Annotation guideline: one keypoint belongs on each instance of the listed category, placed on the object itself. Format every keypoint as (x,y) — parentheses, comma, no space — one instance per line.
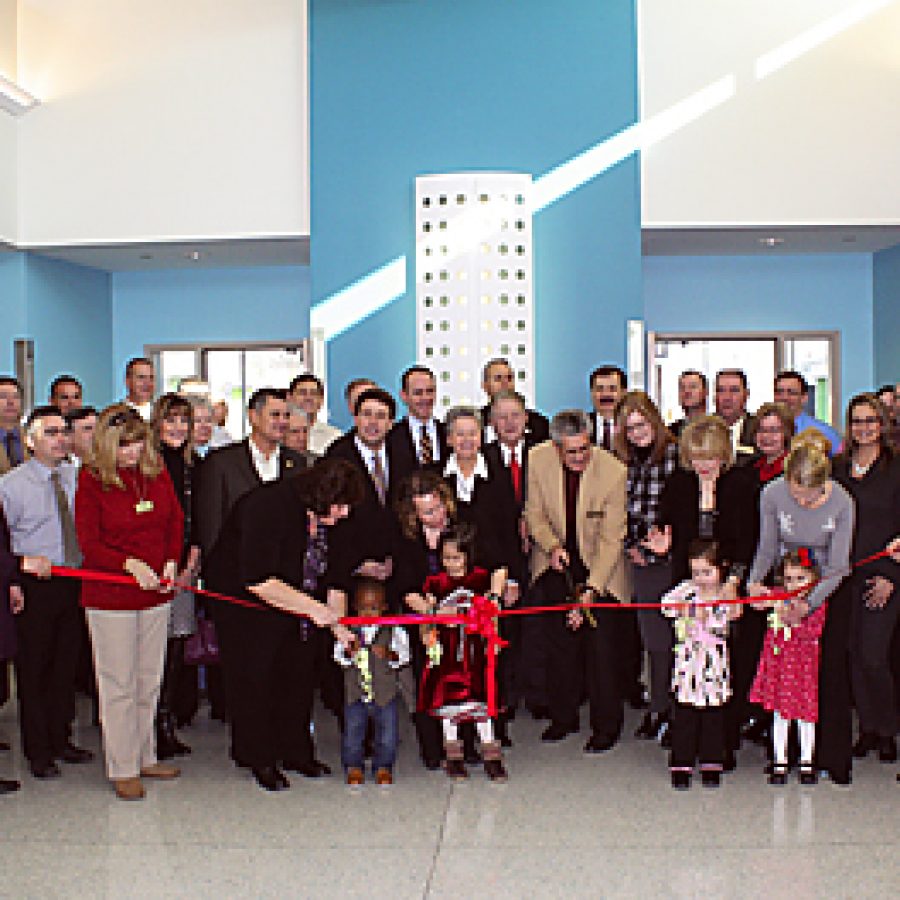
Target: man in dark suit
(227,474)
(523,663)
(498,376)
(13,451)
(367,536)
(731,405)
(418,440)
(693,391)
(607,385)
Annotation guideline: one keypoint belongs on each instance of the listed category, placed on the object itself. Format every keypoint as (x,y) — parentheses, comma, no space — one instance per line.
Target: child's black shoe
(778,775)
(711,778)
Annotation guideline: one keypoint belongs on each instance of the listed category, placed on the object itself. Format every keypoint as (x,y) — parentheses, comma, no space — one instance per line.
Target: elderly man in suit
(12,441)
(498,376)
(577,520)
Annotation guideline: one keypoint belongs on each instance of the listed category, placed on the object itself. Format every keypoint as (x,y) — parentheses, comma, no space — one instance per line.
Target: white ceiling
(739,241)
(184,254)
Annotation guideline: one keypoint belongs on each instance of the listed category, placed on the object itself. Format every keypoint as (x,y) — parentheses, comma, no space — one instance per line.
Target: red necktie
(515,470)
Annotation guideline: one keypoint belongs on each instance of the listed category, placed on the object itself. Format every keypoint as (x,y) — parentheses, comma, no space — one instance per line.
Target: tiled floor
(565,825)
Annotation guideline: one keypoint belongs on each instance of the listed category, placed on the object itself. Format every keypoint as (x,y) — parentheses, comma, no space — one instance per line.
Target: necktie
(607,434)
(426,449)
(12,450)
(71,551)
(379,478)
(515,470)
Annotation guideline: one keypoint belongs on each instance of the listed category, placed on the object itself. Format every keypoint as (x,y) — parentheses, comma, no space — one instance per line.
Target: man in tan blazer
(12,440)
(576,516)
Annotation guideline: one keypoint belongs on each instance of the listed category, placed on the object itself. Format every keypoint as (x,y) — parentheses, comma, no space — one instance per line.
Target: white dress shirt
(144,410)
(369,457)
(266,467)
(506,453)
(465,486)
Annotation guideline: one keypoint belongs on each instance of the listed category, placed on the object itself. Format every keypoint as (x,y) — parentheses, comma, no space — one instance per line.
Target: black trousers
(428,727)
(698,735)
(270,677)
(834,735)
(49,634)
(745,642)
(587,656)
(532,657)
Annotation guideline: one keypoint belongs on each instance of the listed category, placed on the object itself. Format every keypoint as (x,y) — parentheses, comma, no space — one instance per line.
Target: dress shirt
(735,432)
(369,458)
(415,427)
(321,436)
(465,486)
(601,431)
(266,467)
(506,452)
(29,503)
(145,410)
(805,420)
(399,645)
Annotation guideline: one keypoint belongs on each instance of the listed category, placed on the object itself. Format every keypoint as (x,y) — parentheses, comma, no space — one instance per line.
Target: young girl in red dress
(454,684)
(787,680)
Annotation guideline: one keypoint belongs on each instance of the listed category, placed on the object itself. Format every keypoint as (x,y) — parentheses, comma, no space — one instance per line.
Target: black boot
(167,743)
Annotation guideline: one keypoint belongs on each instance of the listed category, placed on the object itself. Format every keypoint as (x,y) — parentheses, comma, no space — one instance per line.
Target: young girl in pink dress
(787,680)
(454,684)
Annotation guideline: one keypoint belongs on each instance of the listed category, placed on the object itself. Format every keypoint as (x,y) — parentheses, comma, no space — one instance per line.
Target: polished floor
(565,825)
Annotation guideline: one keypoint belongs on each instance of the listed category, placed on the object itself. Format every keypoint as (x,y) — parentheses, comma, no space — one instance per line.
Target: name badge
(143,506)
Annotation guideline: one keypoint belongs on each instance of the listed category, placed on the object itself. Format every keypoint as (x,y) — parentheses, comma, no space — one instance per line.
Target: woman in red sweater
(128,520)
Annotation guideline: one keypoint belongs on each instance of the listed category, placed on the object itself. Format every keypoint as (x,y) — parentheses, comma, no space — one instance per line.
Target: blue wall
(407,87)
(886,311)
(269,303)
(65,309)
(815,292)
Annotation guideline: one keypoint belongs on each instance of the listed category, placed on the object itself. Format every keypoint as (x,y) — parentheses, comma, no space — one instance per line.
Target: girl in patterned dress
(787,680)
(701,680)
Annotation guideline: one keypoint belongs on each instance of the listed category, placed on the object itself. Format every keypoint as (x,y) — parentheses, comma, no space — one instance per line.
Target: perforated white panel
(474,280)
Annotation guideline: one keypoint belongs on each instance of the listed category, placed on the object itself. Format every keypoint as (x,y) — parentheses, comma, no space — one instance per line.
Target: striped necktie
(379,478)
(426,448)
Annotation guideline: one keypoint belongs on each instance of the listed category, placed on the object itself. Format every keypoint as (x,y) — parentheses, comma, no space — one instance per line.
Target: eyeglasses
(54,432)
(865,420)
(632,427)
(577,451)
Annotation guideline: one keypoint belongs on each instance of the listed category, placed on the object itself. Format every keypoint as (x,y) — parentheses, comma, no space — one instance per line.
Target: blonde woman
(808,509)
(129,521)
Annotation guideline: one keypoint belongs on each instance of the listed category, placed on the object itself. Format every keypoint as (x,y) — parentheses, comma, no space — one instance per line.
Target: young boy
(371,688)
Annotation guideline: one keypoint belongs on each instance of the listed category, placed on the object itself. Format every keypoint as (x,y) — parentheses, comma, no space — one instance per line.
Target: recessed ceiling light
(771,241)
(146,256)
(193,255)
(848,239)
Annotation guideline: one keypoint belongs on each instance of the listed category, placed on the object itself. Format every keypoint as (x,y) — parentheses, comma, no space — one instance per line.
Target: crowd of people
(152,562)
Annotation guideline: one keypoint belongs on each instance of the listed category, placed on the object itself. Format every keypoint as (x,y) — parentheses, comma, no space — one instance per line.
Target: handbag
(202,647)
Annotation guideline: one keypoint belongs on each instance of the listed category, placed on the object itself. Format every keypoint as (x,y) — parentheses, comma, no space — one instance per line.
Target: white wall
(163,119)
(8,192)
(816,141)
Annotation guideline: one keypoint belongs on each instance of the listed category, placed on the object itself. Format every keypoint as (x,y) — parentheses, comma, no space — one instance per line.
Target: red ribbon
(481,618)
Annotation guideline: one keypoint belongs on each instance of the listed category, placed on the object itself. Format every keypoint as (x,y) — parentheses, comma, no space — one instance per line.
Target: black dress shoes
(540,712)
(652,727)
(74,755)
(312,769)
(600,743)
(8,786)
(681,781)
(271,778)
(4,747)
(557,731)
(45,770)
(887,749)
(864,745)
(637,697)
(432,763)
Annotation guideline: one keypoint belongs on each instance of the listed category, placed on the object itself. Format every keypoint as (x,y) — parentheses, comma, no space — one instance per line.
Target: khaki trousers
(129,652)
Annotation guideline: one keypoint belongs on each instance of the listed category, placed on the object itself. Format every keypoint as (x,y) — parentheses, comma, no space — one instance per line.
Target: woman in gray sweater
(807,508)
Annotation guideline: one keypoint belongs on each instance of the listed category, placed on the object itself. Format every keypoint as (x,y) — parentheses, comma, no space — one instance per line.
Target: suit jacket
(402,450)
(592,420)
(537,426)
(225,476)
(4,459)
(746,449)
(601,522)
(371,529)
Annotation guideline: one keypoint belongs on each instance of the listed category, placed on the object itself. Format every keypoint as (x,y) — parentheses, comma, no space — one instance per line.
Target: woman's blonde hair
(807,463)
(639,402)
(706,436)
(118,425)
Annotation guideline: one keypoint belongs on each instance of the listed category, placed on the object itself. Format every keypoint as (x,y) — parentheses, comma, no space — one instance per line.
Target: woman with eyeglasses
(870,471)
(129,521)
(808,509)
